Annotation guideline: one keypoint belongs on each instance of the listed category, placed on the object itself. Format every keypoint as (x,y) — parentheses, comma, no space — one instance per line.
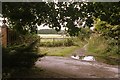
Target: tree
(108,12)
(23,16)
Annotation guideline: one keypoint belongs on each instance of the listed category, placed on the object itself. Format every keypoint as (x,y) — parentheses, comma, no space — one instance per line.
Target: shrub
(97,44)
(104,49)
(69,42)
(57,43)
(20,56)
(84,34)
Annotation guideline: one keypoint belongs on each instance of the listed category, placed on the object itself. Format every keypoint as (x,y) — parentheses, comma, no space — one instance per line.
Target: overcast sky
(47,27)
(1,21)
(43,27)
(39,27)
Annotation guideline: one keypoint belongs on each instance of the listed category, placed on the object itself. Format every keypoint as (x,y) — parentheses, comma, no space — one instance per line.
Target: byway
(65,67)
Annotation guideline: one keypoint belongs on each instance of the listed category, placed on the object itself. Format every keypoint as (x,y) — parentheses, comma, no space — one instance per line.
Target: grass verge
(102,51)
(57,51)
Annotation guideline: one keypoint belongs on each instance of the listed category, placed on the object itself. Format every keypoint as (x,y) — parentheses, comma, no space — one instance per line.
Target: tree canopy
(24,16)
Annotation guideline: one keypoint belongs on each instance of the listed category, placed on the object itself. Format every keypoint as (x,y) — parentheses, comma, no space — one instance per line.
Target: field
(52,37)
(56,45)
(55,40)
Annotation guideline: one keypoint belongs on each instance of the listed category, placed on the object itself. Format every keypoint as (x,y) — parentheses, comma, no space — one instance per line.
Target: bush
(19,56)
(57,43)
(104,49)
(69,42)
(97,44)
(84,34)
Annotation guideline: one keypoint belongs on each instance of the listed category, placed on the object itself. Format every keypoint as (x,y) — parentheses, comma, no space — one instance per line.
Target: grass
(102,51)
(111,59)
(55,40)
(57,51)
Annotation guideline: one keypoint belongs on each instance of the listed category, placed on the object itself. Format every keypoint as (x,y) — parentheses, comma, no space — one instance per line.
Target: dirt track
(65,67)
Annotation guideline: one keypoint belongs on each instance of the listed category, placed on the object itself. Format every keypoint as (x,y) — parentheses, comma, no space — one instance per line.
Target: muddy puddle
(85,58)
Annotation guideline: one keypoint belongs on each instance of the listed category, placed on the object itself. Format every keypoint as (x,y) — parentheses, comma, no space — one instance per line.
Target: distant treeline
(50,31)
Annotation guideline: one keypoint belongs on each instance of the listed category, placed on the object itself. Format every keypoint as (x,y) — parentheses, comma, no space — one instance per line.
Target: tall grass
(103,49)
(61,47)
(57,51)
(97,44)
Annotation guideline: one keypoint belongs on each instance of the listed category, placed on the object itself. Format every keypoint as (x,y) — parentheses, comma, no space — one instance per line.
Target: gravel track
(66,67)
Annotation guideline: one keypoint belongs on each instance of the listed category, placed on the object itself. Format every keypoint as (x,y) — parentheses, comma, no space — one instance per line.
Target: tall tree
(24,16)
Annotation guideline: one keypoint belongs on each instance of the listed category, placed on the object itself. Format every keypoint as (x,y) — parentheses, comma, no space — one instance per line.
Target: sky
(39,27)
(1,21)
(47,27)
(43,27)
(0,24)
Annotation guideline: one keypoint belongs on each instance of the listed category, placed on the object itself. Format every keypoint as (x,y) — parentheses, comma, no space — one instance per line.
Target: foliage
(97,44)
(104,42)
(107,30)
(57,43)
(108,12)
(84,34)
(19,56)
(25,16)
(14,38)
(101,48)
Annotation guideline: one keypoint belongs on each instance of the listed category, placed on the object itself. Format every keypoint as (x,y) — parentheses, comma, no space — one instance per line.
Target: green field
(56,45)
(52,37)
